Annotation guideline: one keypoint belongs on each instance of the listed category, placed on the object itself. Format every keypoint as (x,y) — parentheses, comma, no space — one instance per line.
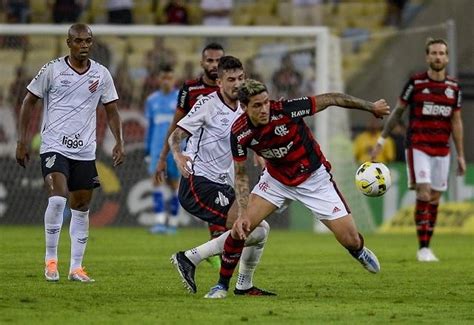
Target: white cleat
(217,292)
(369,261)
(425,254)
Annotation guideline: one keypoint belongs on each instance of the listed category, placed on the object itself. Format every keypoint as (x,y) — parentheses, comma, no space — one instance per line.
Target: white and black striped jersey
(70,101)
(209,123)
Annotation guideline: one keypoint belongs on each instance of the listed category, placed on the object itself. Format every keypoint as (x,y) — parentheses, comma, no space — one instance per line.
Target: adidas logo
(425,91)
(336,209)
(221,199)
(254,142)
(50,161)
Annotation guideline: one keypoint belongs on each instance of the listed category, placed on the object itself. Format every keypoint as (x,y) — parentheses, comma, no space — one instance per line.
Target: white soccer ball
(373,179)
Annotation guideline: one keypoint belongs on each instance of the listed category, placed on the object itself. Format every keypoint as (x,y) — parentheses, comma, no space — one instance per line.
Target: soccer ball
(373,179)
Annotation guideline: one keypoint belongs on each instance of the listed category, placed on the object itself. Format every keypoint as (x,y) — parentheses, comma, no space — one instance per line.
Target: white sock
(213,247)
(251,256)
(53,220)
(79,232)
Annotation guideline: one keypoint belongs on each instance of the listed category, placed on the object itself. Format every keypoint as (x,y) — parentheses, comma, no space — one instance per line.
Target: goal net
(292,61)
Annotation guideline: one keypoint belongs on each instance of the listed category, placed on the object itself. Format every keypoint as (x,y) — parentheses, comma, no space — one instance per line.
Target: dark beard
(211,76)
(437,68)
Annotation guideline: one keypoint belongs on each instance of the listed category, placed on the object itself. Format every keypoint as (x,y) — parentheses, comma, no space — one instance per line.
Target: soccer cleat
(217,292)
(159,229)
(253,291)
(425,254)
(80,275)
(51,270)
(215,261)
(186,270)
(369,261)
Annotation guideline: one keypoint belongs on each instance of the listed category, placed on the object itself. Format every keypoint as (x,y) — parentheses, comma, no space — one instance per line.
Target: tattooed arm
(242,188)
(378,108)
(184,163)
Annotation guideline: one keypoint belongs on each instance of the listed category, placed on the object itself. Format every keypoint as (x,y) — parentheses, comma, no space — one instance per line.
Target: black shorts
(80,174)
(205,199)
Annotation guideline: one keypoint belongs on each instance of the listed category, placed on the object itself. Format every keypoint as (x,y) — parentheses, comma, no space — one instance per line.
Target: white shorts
(425,169)
(318,193)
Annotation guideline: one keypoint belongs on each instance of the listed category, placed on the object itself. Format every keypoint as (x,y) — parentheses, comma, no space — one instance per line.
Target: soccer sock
(433,215)
(53,220)
(210,248)
(216,230)
(422,216)
(230,257)
(356,252)
(79,232)
(159,205)
(251,256)
(173,205)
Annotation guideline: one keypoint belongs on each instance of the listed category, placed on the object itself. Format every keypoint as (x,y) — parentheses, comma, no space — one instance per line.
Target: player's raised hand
(160,172)
(185,164)
(22,154)
(381,108)
(118,154)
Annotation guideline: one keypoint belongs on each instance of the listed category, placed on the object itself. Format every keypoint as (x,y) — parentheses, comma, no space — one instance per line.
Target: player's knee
(259,235)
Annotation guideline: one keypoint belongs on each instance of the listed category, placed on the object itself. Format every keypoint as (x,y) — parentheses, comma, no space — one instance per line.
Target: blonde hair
(249,89)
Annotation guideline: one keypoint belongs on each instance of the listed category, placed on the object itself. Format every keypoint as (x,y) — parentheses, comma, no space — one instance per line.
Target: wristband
(381,141)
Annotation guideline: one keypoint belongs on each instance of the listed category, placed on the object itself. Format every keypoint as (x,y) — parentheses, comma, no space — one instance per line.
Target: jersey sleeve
(41,84)
(299,107)
(239,151)
(407,92)
(195,119)
(183,99)
(458,101)
(110,93)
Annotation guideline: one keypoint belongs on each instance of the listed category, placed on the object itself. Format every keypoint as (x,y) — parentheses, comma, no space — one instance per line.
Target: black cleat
(254,291)
(186,270)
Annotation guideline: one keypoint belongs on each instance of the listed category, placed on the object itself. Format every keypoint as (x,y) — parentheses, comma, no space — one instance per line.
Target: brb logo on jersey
(72,143)
(276,152)
(434,109)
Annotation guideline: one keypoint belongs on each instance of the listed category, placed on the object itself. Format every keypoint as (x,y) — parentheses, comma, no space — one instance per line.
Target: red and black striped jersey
(431,105)
(191,91)
(286,142)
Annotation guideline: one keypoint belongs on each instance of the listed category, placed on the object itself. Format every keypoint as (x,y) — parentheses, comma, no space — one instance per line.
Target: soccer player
(160,108)
(296,170)
(71,88)
(205,189)
(433,100)
(189,94)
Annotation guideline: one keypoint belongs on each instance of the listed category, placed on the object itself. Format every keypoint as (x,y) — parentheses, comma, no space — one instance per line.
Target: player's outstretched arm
(22,152)
(184,163)
(458,138)
(115,125)
(379,108)
(160,172)
(392,120)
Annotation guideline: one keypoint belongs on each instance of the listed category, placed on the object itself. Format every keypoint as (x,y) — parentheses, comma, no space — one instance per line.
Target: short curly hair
(430,41)
(250,88)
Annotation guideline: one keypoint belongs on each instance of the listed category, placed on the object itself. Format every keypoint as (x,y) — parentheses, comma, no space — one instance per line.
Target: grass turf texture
(316,281)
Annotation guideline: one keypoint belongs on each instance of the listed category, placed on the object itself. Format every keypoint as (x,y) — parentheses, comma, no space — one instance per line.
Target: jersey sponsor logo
(407,92)
(300,113)
(436,110)
(240,151)
(221,199)
(243,134)
(182,99)
(66,73)
(281,130)
(196,87)
(296,99)
(420,81)
(449,93)
(276,152)
(72,143)
(93,85)
(50,161)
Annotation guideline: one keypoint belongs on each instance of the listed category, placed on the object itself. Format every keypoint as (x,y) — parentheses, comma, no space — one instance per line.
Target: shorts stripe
(202,204)
(338,192)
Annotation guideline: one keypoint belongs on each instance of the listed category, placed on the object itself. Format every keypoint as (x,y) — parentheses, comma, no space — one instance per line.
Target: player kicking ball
(296,170)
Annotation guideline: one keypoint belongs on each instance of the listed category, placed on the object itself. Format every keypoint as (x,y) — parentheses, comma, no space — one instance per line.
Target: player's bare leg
(346,233)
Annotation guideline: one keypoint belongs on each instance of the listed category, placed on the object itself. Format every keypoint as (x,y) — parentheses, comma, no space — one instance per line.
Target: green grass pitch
(316,280)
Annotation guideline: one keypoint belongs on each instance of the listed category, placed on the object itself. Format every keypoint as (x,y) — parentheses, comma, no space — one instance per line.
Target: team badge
(449,93)
(281,130)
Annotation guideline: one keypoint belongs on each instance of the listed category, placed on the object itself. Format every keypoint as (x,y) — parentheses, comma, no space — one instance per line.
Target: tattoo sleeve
(343,100)
(241,186)
(175,139)
(393,119)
